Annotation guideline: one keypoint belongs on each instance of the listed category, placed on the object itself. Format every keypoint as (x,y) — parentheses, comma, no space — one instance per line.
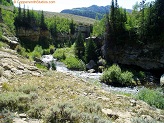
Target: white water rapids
(90,77)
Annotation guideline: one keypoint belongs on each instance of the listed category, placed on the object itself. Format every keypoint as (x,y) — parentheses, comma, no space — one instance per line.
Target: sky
(59,5)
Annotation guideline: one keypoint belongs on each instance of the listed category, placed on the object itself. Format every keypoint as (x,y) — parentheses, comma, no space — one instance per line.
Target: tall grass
(154,97)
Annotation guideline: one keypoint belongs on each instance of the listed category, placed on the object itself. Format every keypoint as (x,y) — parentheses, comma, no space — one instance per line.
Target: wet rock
(91,70)
(22,115)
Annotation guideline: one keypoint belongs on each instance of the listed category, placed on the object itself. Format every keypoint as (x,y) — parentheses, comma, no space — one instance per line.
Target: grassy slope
(78,19)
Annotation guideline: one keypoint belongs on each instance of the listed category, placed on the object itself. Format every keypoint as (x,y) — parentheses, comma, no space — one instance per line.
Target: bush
(21,50)
(14,101)
(37,53)
(114,76)
(143,120)
(53,65)
(152,97)
(59,54)
(7,116)
(74,63)
(36,109)
(40,66)
(27,88)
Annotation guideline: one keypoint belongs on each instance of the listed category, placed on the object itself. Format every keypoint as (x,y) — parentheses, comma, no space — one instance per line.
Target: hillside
(40,95)
(91,11)
(76,18)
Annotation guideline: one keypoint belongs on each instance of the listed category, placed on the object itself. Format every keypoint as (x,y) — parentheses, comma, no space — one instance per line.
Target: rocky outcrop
(148,57)
(32,34)
(12,64)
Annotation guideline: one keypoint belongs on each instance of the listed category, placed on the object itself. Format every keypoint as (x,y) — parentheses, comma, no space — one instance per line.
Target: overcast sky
(59,5)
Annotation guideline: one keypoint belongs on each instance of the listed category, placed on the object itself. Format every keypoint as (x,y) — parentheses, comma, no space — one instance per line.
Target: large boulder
(162,80)
(91,64)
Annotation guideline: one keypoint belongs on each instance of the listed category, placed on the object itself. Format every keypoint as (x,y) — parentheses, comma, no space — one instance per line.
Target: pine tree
(79,46)
(72,27)
(42,22)
(90,51)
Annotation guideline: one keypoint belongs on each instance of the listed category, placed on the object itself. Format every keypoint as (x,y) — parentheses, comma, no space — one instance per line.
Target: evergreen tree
(79,46)
(72,27)
(90,51)
(42,22)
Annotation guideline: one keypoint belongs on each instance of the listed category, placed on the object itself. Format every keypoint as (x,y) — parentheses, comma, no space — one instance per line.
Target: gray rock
(91,64)
(162,80)
(91,70)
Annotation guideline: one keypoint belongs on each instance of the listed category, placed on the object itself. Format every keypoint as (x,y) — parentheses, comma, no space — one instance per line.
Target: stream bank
(88,77)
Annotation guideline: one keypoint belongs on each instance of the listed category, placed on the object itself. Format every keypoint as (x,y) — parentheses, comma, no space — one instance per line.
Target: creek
(88,77)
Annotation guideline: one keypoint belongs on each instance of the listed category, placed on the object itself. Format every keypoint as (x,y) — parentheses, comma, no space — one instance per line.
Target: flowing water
(88,77)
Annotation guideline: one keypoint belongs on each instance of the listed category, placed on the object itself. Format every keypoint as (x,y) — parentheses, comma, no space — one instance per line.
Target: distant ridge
(91,11)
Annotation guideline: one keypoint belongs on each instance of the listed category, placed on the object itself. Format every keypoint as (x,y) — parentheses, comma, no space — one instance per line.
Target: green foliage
(15,101)
(114,76)
(99,27)
(152,97)
(0,34)
(37,53)
(27,89)
(59,54)
(40,66)
(36,110)
(79,46)
(90,51)
(66,112)
(8,18)
(7,116)
(21,50)
(6,2)
(74,63)
(53,65)
(144,120)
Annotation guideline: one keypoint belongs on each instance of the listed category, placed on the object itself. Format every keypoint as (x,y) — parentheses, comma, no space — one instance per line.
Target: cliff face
(32,34)
(149,57)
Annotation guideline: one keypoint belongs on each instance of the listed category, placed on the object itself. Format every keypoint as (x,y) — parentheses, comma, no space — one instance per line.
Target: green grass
(152,97)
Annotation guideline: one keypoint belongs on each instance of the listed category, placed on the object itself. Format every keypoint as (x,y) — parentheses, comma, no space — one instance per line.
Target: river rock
(91,64)
(162,80)
(91,70)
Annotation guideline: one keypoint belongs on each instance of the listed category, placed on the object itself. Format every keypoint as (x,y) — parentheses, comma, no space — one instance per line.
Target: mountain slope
(91,11)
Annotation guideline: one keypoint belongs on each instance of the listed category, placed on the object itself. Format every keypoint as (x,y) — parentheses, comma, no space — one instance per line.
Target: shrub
(74,63)
(40,66)
(63,112)
(0,33)
(46,51)
(114,76)
(37,53)
(21,50)
(53,65)
(152,97)
(15,101)
(7,116)
(27,88)
(126,78)
(36,109)
(143,120)
(59,54)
